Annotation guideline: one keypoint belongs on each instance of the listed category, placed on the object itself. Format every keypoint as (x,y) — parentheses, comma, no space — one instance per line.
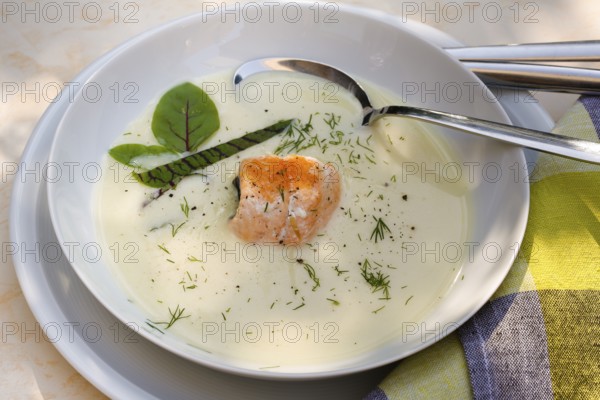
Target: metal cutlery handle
(539,77)
(585,50)
(550,143)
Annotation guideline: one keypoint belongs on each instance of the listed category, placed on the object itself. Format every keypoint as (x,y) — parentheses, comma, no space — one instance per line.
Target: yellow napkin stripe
(564,207)
(518,280)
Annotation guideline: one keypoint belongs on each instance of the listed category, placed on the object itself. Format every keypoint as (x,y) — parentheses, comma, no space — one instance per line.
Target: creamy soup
(352,287)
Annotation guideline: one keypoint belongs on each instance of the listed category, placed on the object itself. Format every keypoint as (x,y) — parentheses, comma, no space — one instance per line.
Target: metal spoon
(565,146)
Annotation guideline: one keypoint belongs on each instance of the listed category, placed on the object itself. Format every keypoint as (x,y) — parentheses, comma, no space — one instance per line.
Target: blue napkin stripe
(376,394)
(507,351)
(592,106)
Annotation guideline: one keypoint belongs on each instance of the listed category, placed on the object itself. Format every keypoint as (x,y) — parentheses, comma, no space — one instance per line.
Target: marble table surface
(45,44)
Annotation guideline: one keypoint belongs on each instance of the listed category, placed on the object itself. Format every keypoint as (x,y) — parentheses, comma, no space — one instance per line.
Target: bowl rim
(375,15)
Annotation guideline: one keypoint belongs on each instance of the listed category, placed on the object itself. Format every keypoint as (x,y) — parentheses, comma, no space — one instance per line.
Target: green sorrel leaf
(184,118)
(127,153)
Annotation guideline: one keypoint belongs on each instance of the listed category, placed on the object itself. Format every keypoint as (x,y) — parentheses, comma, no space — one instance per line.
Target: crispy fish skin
(285,200)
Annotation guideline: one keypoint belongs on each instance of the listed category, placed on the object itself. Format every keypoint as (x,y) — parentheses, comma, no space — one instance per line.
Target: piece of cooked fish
(285,200)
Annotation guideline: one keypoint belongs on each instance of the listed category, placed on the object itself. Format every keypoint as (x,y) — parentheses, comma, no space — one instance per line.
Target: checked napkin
(539,335)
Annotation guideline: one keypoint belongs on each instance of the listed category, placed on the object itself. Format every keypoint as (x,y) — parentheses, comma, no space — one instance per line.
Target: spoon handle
(501,65)
(584,50)
(565,146)
(538,77)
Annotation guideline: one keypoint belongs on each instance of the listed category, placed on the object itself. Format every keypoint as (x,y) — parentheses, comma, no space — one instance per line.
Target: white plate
(127,366)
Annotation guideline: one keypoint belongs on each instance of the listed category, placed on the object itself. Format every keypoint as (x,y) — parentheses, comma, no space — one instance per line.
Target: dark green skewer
(167,176)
